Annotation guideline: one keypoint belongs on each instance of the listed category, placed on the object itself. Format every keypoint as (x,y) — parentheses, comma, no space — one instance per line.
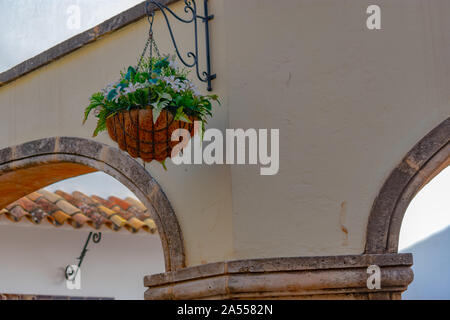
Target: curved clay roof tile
(78,210)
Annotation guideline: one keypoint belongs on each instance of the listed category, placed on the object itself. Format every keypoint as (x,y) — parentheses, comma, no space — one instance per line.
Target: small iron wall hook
(190,7)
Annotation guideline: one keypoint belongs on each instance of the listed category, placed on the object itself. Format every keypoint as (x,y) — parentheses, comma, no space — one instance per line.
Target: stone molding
(425,160)
(333,277)
(90,154)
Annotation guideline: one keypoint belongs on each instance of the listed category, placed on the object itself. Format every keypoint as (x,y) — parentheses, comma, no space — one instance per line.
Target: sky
(97,183)
(32,26)
(29,27)
(429,211)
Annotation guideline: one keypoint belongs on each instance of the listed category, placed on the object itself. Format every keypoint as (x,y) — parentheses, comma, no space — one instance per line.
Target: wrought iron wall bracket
(69,272)
(191,7)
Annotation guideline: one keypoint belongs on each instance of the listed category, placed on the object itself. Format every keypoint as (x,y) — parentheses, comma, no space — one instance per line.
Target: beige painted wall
(349,104)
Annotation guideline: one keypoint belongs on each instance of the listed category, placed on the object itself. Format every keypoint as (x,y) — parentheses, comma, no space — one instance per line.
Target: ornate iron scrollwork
(190,8)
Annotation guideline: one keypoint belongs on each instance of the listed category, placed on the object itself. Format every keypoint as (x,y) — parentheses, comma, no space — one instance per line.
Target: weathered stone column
(331,277)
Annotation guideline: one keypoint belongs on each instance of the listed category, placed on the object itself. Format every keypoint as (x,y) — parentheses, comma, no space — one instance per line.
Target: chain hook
(150,17)
(150,41)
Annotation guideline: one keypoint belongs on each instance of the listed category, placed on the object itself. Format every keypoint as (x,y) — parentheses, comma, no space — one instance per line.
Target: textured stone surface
(405,180)
(33,165)
(303,277)
(202,271)
(119,21)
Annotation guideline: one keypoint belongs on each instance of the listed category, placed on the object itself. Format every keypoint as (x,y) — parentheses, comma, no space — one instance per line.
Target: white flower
(129,89)
(173,64)
(109,87)
(181,85)
(191,86)
(175,84)
(133,87)
(196,92)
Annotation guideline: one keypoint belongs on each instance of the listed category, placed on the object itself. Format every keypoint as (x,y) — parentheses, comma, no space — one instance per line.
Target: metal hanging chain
(150,40)
(153,44)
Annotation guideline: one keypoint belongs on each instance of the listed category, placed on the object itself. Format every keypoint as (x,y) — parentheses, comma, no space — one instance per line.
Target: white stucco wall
(349,103)
(33,259)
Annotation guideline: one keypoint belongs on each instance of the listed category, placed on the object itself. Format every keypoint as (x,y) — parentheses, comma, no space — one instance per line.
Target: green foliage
(160,86)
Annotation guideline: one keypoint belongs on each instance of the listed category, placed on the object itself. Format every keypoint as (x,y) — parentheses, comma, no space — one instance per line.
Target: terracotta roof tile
(67,207)
(79,220)
(61,217)
(78,210)
(26,204)
(16,213)
(117,206)
(118,220)
(50,196)
(34,196)
(107,213)
(151,224)
(141,215)
(69,198)
(125,214)
(83,198)
(106,202)
(137,224)
(119,202)
(99,200)
(35,216)
(46,205)
(137,204)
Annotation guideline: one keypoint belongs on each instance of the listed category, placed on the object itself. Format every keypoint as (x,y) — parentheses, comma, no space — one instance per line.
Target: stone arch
(27,167)
(425,160)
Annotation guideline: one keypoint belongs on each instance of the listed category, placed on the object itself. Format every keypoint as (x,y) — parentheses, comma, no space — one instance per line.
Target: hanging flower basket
(136,133)
(147,104)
